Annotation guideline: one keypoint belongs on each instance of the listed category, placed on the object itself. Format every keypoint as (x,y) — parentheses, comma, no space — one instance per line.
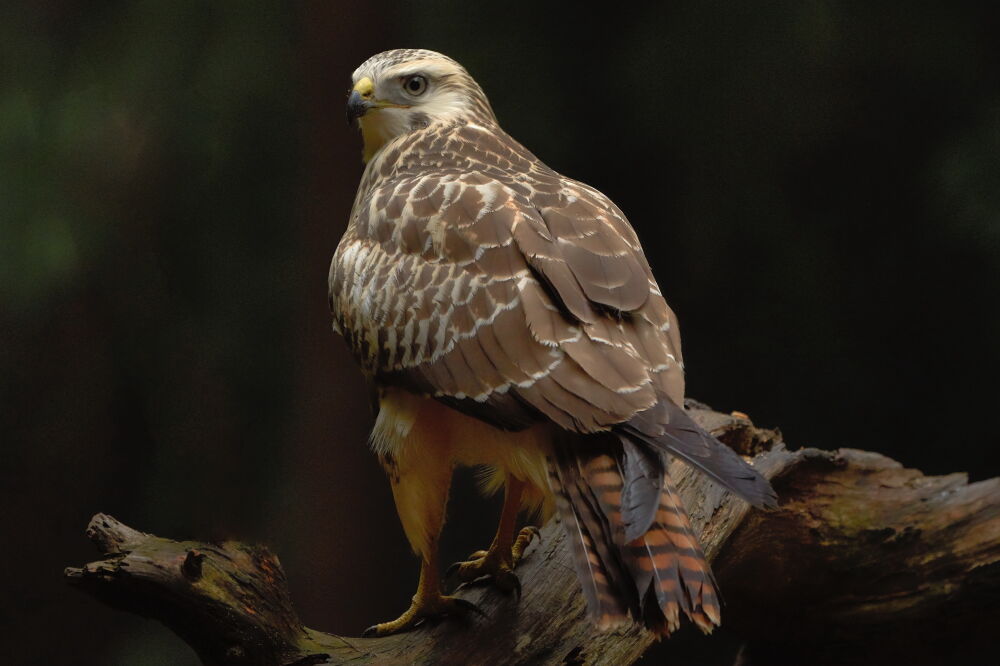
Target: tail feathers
(642,474)
(653,577)
(591,541)
(671,560)
(668,428)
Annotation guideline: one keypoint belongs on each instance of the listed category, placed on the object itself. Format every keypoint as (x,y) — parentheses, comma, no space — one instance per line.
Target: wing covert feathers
(651,578)
(473,273)
(668,428)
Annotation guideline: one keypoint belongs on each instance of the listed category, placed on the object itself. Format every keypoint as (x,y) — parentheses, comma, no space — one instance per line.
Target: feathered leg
(505,551)
(420,485)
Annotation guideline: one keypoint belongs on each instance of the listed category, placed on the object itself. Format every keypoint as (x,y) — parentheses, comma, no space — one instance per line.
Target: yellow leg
(505,551)
(428,604)
(420,485)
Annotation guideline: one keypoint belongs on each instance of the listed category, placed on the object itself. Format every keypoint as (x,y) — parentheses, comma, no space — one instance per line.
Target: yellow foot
(429,609)
(498,563)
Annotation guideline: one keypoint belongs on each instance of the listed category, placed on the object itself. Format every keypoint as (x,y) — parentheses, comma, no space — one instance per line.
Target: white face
(403,97)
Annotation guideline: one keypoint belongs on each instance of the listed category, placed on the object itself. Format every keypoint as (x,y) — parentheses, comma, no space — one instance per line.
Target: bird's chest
(361,297)
(394,291)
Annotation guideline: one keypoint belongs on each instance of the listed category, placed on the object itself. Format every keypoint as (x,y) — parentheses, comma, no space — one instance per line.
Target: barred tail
(597,558)
(651,578)
(669,557)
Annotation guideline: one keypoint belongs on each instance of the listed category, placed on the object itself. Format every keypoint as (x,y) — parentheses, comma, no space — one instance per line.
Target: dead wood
(861,549)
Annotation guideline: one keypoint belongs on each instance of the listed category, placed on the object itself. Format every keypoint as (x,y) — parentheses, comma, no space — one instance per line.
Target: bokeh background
(817,185)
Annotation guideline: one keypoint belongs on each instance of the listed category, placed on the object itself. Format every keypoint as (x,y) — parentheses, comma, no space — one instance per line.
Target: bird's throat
(373,140)
(379,128)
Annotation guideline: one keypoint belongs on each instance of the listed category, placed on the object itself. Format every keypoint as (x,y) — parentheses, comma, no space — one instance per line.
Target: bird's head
(405,90)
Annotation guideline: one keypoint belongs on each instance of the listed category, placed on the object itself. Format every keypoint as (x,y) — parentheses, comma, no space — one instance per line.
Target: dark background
(815,183)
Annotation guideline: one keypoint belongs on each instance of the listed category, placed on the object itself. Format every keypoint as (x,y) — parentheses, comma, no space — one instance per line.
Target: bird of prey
(507,318)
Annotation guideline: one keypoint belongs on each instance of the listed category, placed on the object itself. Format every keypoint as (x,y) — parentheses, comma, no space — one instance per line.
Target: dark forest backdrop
(815,183)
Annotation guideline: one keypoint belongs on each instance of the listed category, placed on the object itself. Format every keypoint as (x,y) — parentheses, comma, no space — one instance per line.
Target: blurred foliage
(147,174)
(815,183)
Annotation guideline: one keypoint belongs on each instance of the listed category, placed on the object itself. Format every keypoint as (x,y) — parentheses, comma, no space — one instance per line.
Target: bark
(863,557)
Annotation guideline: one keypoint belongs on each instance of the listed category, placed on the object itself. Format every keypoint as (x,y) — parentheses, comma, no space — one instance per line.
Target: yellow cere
(365,86)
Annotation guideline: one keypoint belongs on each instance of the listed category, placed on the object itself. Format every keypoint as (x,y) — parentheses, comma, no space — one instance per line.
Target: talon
(508,581)
(468,606)
(426,610)
(517,584)
(470,570)
(524,538)
(494,564)
(452,578)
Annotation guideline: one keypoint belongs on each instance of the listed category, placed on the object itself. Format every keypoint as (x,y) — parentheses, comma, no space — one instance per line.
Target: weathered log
(860,546)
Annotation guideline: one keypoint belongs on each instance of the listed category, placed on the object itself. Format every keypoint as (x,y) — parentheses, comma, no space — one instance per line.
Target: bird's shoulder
(453,173)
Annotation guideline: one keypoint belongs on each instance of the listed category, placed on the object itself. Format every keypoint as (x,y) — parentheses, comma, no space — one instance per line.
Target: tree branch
(864,544)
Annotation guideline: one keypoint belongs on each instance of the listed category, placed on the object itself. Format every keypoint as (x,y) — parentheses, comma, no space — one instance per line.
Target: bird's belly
(411,425)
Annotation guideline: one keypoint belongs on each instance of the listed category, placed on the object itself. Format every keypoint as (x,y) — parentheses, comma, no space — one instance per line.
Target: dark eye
(415,85)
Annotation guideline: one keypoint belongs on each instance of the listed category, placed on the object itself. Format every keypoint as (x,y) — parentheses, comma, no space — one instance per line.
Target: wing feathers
(668,428)
(433,259)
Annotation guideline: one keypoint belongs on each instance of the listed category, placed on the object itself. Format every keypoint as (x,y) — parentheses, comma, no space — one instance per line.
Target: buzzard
(507,318)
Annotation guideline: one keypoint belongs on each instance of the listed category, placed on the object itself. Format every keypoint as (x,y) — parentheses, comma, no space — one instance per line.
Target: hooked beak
(359,101)
(357,106)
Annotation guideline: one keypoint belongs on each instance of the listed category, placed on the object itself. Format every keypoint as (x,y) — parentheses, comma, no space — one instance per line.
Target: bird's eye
(415,85)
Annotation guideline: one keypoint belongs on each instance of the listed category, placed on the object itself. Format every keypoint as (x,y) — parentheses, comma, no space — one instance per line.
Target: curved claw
(496,565)
(517,584)
(468,606)
(502,576)
(463,606)
(451,580)
(505,579)
(523,540)
(427,610)
(451,570)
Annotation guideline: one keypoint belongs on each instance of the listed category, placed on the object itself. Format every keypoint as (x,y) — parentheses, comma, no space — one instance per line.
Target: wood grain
(860,547)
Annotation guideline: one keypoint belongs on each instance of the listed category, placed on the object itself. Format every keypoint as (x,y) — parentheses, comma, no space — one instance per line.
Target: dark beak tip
(356,106)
